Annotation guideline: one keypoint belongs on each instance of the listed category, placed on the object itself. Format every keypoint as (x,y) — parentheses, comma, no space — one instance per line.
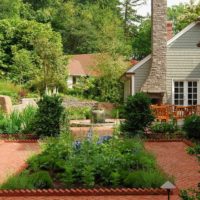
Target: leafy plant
(50,118)
(192,126)
(88,176)
(194,150)
(137,114)
(164,127)
(18,122)
(144,179)
(25,180)
(79,112)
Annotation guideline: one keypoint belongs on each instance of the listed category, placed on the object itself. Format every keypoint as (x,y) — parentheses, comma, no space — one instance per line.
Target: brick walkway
(13,157)
(174,160)
(171,157)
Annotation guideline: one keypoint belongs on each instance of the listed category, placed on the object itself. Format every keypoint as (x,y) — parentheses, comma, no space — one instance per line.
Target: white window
(185,92)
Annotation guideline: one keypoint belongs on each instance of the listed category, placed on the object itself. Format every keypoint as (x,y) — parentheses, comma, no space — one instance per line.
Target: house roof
(146,59)
(82,65)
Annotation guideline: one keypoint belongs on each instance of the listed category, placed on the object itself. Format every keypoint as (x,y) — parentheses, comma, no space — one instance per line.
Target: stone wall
(77,103)
(6,104)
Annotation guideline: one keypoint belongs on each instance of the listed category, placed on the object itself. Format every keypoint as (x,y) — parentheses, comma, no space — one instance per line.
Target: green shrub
(192,126)
(79,113)
(25,180)
(41,180)
(164,127)
(145,179)
(137,113)
(50,117)
(194,150)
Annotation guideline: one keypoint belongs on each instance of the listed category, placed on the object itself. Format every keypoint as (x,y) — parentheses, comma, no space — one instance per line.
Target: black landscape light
(168,186)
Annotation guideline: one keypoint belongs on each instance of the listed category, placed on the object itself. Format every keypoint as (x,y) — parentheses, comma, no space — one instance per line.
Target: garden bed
(93,163)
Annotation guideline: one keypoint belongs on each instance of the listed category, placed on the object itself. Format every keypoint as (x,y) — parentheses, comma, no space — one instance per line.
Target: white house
(82,65)
(171,74)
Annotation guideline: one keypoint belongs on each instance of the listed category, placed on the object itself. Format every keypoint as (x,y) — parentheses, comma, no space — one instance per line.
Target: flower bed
(93,163)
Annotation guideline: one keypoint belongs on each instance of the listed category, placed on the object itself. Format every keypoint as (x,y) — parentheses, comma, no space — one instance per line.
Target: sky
(143,10)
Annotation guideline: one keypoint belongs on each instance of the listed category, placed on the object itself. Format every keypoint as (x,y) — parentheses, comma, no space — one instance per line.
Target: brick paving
(13,156)
(171,157)
(174,160)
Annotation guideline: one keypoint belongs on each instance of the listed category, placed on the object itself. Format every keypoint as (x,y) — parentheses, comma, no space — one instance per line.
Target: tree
(141,43)
(129,13)
(108,86)
(33,48)
(10,9)
(183,14)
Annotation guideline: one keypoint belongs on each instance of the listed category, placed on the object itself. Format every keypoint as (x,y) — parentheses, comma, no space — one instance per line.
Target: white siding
(183,59)
(141,75)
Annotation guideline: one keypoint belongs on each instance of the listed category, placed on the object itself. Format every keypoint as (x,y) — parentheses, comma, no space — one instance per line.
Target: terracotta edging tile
(83,192)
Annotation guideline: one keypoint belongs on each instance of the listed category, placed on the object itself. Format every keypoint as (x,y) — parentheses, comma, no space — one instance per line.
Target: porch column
(132,84)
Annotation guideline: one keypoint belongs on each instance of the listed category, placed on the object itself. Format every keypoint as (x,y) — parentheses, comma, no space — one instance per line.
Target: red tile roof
(82,65)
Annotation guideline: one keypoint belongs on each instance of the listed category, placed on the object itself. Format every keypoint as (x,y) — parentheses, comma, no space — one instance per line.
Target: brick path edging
(17,136)
(20,141)
(187,142)
(82,192)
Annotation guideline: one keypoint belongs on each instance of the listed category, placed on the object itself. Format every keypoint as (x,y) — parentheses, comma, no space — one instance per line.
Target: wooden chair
(162,113)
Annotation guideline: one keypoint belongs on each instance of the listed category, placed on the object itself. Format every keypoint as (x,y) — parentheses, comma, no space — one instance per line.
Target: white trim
(185,82)
(139,64)
(133,85)
(131,70)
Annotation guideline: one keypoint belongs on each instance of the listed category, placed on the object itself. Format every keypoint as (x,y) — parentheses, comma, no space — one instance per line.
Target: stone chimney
(155,84)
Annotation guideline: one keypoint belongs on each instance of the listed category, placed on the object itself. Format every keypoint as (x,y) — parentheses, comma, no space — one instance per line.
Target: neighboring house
(172,73)
(82,65)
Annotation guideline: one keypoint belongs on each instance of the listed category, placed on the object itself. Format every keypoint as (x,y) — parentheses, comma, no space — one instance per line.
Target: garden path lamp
(168,186)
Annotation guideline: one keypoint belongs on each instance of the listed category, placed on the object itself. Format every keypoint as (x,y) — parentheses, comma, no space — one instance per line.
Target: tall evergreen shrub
(137,114)
(50,117)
